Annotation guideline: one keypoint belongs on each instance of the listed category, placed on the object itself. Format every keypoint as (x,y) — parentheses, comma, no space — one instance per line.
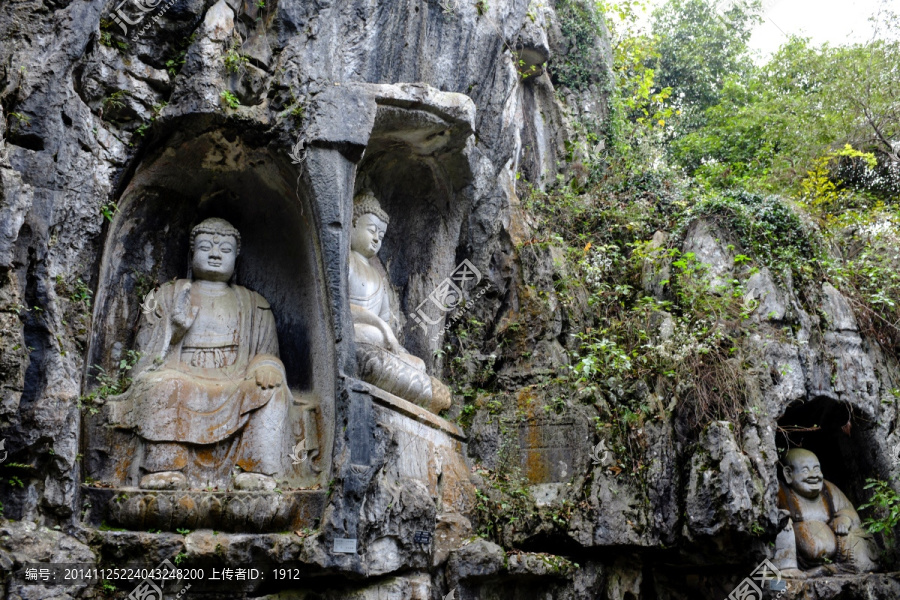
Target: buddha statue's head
(369,224)
(215,245)
(803,473)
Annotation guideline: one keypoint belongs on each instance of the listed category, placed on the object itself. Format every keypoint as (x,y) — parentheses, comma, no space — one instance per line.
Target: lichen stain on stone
(223,155)
(528,430)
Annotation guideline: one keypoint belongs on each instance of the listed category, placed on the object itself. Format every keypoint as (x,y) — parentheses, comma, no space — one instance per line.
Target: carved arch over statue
(295,224)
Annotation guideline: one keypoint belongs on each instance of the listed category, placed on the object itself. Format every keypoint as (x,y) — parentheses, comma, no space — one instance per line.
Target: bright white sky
(833,21)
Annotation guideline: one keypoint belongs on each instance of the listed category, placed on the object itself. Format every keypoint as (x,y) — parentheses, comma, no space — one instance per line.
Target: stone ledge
(410,410)
(255,512)
(845,587)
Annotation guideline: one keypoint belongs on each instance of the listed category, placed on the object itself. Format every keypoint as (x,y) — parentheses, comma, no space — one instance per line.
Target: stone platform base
(431,450)
(387,400)
(846,587)
(253,512)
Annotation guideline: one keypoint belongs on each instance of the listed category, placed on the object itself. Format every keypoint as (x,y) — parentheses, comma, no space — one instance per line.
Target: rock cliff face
(110,132)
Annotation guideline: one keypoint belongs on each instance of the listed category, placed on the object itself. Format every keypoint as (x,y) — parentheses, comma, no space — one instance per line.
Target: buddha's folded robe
(177,397)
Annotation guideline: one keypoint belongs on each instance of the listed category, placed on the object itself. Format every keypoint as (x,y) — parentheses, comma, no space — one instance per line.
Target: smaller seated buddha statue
(823,535)
(383,362)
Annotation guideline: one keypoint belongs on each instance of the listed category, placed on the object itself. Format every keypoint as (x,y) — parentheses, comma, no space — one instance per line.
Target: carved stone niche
(846,446)
(843,443)
(418,163)
(215,174)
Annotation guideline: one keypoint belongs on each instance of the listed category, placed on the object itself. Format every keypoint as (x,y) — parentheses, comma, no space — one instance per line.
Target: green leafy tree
(700,44)
(776,121)
(635,54)
(641,110)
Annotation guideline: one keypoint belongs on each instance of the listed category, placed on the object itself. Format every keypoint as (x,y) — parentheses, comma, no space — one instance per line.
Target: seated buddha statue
(823,535)
(383,362)
(209,396)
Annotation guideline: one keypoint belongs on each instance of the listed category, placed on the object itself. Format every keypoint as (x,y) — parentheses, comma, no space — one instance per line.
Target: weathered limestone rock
(657,266)
(22,543)
(17,200)
(476,558)
(143,125)
(852,588)
(723,486)
(707,242)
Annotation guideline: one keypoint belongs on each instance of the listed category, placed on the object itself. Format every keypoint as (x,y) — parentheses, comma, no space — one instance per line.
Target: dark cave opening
(559,545)
(837,435)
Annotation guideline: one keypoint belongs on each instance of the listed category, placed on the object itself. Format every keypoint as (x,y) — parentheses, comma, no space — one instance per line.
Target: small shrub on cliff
(581,26)
(504,504)
(470,370)
(766,225)
(115,100)
(234,60)
(886,502)
(77,291)
(107,39)
(230,100)
(179,55)
(111,383)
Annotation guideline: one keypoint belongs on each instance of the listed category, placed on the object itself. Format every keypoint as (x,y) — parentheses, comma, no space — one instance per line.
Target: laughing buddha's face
(214,257)
(804,473)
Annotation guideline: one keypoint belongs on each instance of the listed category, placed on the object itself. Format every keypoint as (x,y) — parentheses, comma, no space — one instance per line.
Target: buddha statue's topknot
(217,227)
(366,203)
